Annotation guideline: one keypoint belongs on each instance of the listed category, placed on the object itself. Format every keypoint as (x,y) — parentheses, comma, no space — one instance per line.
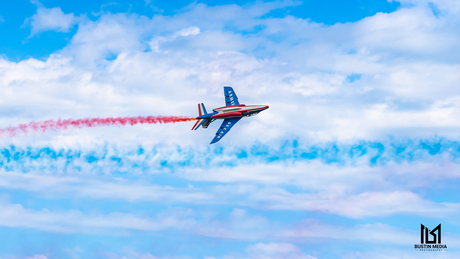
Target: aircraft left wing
(227,124)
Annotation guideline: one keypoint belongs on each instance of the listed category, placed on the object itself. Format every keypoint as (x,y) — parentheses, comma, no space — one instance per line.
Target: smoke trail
(90,122)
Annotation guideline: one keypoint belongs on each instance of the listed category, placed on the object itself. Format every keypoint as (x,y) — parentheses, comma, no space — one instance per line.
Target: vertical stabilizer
(201,111)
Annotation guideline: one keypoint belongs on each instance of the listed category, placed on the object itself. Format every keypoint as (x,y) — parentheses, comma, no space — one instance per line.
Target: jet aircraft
(231,113)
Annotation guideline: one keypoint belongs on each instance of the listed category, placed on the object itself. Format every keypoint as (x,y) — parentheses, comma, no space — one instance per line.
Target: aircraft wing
(227,124)
(230,96)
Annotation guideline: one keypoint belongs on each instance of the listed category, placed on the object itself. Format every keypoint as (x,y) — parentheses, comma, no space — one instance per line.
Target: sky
(359,147)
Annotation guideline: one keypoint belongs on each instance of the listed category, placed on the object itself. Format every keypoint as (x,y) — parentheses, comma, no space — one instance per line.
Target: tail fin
(201,111)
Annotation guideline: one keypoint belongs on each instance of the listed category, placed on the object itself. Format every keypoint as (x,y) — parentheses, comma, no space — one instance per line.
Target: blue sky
(359,147)
(18,46)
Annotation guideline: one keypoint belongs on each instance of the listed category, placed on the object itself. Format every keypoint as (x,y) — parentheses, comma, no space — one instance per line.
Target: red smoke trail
(91,122)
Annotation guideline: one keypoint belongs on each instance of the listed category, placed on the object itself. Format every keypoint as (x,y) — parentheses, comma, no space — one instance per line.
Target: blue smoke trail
(142,158)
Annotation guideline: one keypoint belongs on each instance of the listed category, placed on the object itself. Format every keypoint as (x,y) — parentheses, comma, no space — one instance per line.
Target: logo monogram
(425,238)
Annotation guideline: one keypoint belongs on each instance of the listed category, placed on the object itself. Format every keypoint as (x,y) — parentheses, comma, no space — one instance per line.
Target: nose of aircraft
(266,107)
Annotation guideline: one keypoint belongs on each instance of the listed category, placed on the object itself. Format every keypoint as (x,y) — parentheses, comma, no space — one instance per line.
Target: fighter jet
(231,113)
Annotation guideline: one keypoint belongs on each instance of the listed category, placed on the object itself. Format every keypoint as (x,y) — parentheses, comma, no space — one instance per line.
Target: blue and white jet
(231,113)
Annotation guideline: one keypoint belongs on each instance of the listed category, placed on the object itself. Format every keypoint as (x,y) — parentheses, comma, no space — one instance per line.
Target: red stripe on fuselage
(227,115)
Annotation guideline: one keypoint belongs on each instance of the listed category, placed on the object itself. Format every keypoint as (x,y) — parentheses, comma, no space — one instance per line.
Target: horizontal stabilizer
(198,124)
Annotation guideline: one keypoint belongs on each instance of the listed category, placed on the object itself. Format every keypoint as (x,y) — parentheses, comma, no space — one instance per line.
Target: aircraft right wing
(227,124)
(230,96)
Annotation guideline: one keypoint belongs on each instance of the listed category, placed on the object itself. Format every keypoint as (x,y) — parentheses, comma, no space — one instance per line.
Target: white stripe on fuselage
(238,109)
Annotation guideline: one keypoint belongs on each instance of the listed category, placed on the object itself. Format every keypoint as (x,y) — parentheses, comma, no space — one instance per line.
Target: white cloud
(237,225)
(155,43)
(339,202)
(400,253)
(51,19)
(132,254)
(276,250)
(449,6)
(74,221)
(73,252)
(288,250)
(38,256)
(256,251)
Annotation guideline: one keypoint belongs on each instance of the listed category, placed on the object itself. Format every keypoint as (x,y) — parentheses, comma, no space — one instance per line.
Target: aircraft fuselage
(234,111)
